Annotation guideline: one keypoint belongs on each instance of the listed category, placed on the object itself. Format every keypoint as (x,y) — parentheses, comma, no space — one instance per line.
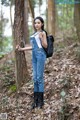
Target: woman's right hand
(23,49)
(18,48)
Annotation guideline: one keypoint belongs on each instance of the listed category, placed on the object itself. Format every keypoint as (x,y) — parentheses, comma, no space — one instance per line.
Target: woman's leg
(40,71)
(34,65)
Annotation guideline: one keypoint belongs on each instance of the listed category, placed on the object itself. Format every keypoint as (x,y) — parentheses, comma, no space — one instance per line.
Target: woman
(37,40)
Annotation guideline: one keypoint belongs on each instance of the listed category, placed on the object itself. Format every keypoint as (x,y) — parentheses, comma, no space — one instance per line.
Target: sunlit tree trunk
(51,17)
(77,18)
(21,66)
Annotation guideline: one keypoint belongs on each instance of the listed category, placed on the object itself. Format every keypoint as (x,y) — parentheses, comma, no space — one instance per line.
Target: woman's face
(38,24)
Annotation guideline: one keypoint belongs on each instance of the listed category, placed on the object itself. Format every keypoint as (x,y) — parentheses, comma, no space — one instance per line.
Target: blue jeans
(38,63)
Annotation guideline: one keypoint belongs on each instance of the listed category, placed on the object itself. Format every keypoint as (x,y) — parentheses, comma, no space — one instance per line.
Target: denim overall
(38,64)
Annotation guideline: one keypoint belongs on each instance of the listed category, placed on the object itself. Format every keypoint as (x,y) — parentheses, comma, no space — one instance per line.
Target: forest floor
(62,86)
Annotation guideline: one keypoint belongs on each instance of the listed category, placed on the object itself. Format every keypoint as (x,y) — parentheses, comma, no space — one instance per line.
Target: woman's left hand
(41,35)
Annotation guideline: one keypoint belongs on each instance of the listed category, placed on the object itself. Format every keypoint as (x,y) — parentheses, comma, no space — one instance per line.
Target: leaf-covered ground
(62,87)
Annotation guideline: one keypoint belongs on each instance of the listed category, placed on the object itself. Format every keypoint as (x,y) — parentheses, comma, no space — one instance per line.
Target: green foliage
(7,2)
(6,46)
(1,55)
(63,93)
(33,2)
(65,16)
(13,88)
(64,1)
(3,40)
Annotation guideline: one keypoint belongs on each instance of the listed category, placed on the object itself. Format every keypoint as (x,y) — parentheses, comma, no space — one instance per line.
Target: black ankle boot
(40,100)
(35,103)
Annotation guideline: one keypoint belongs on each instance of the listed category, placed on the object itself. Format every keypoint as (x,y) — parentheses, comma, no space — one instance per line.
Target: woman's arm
(43,38)
(24,49)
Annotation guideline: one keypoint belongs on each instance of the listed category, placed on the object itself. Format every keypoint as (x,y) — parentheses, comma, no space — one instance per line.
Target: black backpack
(50,48)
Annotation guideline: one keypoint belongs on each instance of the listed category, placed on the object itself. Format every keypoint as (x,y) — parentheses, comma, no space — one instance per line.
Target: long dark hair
(42,21)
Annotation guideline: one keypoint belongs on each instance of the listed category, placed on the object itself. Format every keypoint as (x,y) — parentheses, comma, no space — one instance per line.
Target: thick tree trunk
(77,18)
(51,17)
(21,66)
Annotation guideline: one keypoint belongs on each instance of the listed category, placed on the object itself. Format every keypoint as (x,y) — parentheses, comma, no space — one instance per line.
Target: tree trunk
(1,30)
(31,8)
(11,3)
(46,16)
(51,17)
(26,30)
(77,18)
(22,75)
(11,16)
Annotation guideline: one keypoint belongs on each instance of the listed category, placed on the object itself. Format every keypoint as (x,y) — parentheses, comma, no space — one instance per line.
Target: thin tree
(31,6)
(1,30)
(77,17)
(51,17)
(26,15)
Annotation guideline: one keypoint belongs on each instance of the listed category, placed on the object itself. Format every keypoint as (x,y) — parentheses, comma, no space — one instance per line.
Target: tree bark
(51,17)
(31,8)
(26,30)
(22,75)
(77,19)
(11,16)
